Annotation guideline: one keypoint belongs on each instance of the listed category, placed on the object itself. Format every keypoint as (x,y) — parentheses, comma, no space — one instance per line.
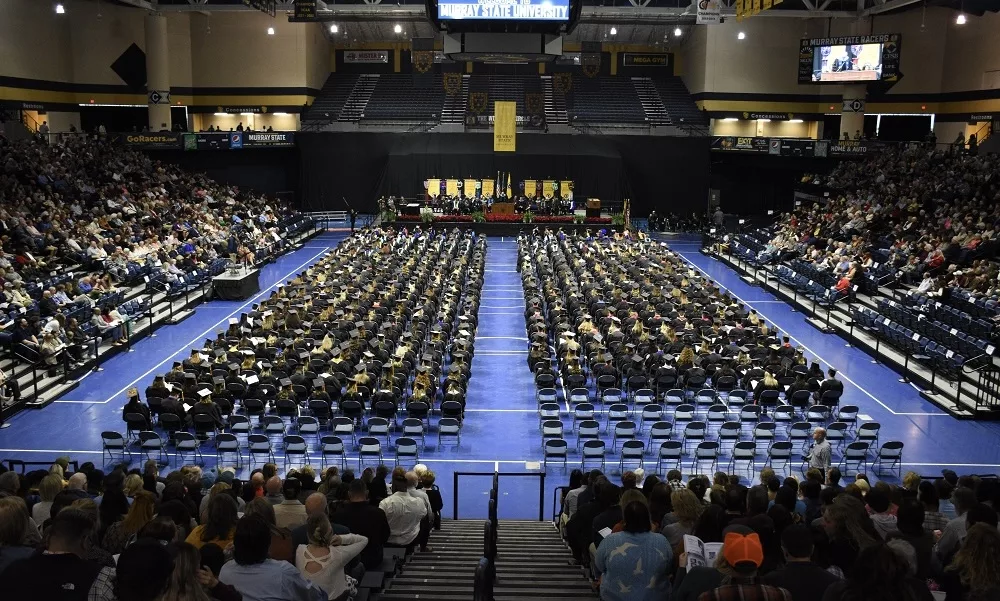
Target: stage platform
(507,228)
(240,285)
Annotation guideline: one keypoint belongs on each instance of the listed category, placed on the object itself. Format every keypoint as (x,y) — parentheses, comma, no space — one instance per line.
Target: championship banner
(451,187)
(529,188)
(767,4)
(434,188)
(488,188)
(709,12)
(756,7)
(504,126)
(470,188)
(548,188)
(566,189)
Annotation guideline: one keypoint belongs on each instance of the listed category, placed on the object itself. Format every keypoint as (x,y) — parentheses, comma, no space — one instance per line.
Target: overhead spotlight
(334,29)
(677,32)
(398,28)
(60,9)
(741,36)
(960,19)
(613,31)
(270,31)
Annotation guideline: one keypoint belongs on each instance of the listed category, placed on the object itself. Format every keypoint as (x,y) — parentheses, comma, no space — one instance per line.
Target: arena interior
(496,299)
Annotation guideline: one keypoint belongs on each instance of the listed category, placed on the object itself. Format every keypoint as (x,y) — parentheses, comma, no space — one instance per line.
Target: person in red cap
(741,555)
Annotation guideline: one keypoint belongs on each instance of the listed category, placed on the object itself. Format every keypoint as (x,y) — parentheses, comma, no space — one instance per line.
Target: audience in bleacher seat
(87,226)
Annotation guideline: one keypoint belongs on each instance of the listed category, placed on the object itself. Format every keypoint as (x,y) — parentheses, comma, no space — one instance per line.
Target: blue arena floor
(501,427)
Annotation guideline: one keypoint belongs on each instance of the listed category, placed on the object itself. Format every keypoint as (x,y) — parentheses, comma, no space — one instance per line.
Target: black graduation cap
(636,359)
(219,352)
(265,365)
(285,382)
(218,380)
(423,369)
(355,334)
(427,357)
(298,332)
(360,367)
(318,383)
(234,366)
(178,364)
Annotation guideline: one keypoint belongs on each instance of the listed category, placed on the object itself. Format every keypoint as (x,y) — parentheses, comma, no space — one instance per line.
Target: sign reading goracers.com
(508,10)
(161,140)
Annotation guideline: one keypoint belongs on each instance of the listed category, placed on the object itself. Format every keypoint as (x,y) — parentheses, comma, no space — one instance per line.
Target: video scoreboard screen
(850,59)
(503,10)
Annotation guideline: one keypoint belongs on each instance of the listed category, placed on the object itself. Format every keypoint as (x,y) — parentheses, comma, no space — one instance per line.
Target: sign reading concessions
(241,109)
(646,59)
(506,10)
(850,59)
(271,138)
(151,141)
(771,116)
(366,57)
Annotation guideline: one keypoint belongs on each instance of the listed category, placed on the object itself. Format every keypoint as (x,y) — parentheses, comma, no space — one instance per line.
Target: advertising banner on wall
(709,12)
(154,141)
(366,56)
(270,138)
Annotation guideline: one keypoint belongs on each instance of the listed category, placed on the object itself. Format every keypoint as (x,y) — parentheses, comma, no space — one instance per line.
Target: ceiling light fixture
(678,32)
(960,19)
(398,28)
(741,36)
(270,31)
(334,29)
(60,9)
(614,30)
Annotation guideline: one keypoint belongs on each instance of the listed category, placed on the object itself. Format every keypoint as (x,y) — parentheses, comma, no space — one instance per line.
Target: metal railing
(984,376)
(494,493)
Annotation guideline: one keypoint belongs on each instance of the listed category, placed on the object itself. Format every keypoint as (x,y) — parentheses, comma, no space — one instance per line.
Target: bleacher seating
(506,87)
(605,100)
(335,92)
(678,102)
(399,97)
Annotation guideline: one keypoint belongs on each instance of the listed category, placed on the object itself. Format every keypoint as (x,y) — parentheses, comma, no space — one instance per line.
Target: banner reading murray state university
(504,126)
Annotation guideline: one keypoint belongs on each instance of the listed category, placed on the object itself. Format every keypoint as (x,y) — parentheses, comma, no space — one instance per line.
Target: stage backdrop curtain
(594,164)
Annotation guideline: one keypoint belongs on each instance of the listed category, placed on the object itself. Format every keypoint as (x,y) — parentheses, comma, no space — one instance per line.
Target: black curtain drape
(593,164)
(667,173)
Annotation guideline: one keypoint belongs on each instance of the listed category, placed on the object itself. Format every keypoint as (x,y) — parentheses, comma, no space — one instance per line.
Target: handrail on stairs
(495,488)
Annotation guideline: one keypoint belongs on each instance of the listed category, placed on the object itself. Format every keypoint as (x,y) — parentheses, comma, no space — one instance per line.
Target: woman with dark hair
(850,531)
(282,547)
(710,524)
(220,525)
(114,505)
(880,574)
(634,563)
(973,574)
(255,575)
(659,504)
(910,528)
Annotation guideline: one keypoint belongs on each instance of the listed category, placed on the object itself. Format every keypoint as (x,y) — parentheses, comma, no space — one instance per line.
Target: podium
(593,207)
(503,208)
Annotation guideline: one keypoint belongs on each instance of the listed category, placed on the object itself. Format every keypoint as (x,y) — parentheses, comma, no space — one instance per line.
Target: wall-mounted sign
(647,59)
(366,56)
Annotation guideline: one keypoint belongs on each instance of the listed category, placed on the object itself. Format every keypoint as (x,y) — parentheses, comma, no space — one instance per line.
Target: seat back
(294,444)
(227,443)
(552,429)
(406,447)
(781,449)
(593,448)
(695,430)
(707,450)
(588,429)
(369,446)
(892,449)
(331,445)
(744,450)
(633,449)
(556,447)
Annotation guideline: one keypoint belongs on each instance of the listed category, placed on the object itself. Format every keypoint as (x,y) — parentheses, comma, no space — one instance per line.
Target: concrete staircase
(532,563)
(354,107)
(555,103)
(453,110)
(652,104)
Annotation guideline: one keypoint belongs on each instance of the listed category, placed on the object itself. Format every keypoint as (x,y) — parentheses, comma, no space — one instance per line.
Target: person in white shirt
(403,513)
(95,252)
(322,561)
(425,525)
